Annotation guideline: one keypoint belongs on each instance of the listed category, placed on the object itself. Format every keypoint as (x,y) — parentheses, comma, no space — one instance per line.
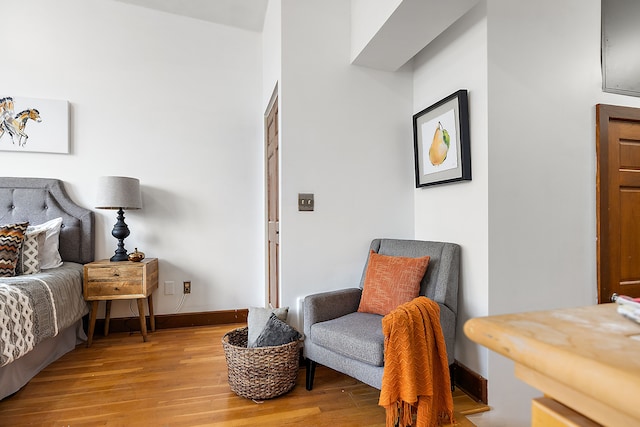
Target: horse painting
(14,125)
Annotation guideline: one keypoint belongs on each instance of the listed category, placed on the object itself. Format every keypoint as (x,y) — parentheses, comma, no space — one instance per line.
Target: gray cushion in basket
(276,332)
(356,335)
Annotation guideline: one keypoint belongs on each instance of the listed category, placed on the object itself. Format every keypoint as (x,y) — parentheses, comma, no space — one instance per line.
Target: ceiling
(245,14)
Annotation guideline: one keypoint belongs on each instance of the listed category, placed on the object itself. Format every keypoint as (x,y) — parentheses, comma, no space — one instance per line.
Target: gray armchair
(339,337)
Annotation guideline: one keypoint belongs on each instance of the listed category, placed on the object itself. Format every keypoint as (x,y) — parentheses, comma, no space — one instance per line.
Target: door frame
(604,115)
(272,102)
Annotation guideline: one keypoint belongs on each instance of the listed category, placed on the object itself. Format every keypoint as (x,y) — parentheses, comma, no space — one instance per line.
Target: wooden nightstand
(105,281)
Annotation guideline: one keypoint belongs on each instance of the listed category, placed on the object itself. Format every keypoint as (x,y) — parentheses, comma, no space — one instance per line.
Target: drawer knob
(116,289)
(116,274)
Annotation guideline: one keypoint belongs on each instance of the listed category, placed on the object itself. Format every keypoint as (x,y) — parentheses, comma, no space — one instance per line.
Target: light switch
(305,201)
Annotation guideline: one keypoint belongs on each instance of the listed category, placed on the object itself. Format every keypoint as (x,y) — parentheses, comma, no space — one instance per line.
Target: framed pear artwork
(441,141)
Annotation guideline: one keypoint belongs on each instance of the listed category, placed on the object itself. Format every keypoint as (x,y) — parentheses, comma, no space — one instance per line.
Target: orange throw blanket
(416,379)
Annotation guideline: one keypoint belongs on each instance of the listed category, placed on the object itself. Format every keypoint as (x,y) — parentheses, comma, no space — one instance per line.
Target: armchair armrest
(329,305)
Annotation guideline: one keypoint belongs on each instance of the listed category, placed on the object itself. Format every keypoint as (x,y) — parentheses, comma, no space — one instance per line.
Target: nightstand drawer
(114,288)
(124,273)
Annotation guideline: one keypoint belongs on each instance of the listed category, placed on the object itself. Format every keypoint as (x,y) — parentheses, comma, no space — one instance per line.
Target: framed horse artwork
(35,125)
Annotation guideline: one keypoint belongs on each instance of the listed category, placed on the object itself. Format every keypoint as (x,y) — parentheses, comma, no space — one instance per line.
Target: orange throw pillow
(391,281)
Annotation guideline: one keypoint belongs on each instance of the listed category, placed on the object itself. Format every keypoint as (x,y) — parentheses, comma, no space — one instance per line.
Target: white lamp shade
(115,192)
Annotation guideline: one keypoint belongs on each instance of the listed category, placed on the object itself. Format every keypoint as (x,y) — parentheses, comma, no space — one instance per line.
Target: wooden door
(618,201)
(273,196)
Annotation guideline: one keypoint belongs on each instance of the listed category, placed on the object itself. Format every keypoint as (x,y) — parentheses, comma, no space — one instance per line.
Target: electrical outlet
(186,287)
(169,288)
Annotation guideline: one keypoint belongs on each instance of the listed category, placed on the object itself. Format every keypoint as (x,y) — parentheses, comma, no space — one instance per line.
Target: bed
(48,321)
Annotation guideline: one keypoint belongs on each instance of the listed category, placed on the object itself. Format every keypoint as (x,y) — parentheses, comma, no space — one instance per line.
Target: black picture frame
(441,142)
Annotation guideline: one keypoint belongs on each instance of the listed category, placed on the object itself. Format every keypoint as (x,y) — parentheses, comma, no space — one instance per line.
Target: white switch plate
(169,288)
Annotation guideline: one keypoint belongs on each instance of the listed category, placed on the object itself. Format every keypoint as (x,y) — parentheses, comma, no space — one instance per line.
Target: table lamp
(118,192)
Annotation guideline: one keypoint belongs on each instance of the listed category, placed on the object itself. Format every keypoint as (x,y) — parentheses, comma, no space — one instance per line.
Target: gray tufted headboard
(38,200)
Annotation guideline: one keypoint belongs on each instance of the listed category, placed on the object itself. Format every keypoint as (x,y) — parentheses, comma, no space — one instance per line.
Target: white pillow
(49,257)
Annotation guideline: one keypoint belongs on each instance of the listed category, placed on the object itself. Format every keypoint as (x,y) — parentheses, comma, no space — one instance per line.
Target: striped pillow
(11,238)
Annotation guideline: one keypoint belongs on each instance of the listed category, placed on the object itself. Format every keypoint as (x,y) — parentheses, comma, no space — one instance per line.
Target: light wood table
(585,360)
(105,281)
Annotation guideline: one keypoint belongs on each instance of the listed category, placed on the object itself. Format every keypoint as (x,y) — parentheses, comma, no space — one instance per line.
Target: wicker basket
(261,372)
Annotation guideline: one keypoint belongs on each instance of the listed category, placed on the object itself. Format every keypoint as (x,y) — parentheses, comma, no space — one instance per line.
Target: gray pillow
(257,319)
(276,332)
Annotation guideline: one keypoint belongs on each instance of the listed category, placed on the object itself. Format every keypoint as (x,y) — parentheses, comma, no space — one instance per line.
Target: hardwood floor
(179,378)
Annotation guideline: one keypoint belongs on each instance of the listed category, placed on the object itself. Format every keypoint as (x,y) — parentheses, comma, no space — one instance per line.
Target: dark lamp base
(120,232)
(119,257)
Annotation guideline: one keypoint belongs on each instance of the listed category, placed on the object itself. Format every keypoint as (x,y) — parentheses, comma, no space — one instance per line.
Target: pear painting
(440,146)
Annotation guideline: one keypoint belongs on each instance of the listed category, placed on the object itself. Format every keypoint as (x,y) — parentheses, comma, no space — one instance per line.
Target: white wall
(395,32)
(457,212)
(544,82)
(170,100)
(367,17)
(345,136)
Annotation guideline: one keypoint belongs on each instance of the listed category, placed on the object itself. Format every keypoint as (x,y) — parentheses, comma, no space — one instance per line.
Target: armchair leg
(452,376)
(311,371)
